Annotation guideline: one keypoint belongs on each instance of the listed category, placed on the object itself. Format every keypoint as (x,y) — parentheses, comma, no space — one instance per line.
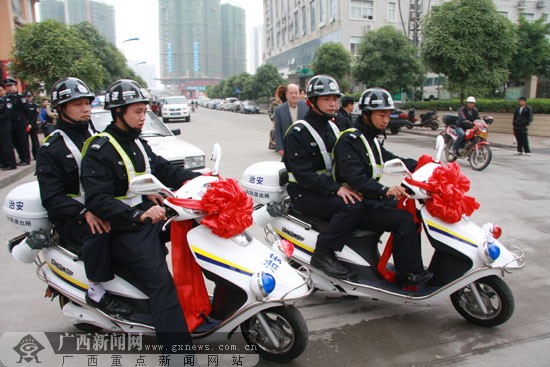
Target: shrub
(539,105)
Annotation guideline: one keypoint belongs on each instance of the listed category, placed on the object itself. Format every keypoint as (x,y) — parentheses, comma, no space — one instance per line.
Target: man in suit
(523,116)
(292,110)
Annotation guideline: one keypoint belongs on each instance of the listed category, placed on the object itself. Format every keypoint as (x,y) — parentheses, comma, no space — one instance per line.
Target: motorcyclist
(358,163)
(112,159)
(311,187)
(466,117)
(58,169)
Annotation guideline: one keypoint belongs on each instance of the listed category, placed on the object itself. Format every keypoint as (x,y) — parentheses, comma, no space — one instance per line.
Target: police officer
(466,117)
(58,170)
(18,115)
(111,161)
(311,187)
(358,162)
(7,156)
(32,126)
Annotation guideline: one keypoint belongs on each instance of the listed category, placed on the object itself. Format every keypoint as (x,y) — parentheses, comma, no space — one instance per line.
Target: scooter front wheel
(286,324)
(495,296)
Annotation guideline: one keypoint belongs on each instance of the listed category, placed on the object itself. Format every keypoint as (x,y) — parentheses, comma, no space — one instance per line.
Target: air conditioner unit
(521,4)
(541,3)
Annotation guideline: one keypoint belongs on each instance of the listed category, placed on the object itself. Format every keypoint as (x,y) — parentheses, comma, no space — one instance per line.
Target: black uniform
(137,245)
(315,194)
(343,119)
(466,117)
(59,176)
(353,166)
(7,156)
(19,115)
(522,119)
(34,110)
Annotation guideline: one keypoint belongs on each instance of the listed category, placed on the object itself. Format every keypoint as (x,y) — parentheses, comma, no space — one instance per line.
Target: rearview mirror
(217,157)
(395,167)
(148,184)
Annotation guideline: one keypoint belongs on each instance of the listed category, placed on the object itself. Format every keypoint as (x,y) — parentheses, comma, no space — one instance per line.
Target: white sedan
(162,140)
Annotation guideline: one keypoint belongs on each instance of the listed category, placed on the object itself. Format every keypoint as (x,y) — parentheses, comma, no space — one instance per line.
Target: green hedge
(539,105)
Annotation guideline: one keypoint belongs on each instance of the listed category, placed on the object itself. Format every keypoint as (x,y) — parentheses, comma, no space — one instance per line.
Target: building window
(362,9)
(312,14)
(333,10)
(296,23)
(530,17)
(354,42)
(392,12)
(322,12)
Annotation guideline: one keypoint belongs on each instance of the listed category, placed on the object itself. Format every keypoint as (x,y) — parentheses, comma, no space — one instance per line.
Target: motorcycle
(474,147)
(468,261)
(428,119)
(255,287)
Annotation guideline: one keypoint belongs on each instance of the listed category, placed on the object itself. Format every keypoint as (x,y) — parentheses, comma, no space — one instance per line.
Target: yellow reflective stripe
(295,242)
(66,277)
(218,259)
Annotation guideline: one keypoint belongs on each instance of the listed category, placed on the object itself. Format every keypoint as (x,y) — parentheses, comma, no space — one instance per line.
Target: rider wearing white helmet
(466,117)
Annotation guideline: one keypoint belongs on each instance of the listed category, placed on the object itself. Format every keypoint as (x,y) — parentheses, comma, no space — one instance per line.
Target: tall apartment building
(201,42)
(295,28)
(98,14)
(13,14)
(233,40)
(257,48)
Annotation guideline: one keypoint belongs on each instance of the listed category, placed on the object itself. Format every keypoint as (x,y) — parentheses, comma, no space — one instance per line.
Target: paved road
(514,192)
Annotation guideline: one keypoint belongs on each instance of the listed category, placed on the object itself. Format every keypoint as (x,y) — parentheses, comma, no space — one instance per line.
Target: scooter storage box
(24,209)
(265,182)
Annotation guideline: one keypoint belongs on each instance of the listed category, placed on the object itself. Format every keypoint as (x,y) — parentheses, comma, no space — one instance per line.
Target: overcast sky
(139,18)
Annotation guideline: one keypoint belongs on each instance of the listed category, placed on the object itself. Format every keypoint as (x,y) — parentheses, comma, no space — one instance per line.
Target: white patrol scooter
(468,261)
(255,287)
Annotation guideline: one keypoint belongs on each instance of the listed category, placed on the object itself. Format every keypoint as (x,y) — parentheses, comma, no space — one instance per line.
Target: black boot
(413,279)
(110,305)
(325,260)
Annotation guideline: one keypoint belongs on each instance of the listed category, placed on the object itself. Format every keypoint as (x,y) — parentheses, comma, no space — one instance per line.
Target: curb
(17,174)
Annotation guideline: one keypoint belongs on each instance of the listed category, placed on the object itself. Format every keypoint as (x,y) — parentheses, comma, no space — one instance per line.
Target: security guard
(112,159)
(7,156)
(18,115)
(312,190)
(32,126)
(58,171)
(358,162)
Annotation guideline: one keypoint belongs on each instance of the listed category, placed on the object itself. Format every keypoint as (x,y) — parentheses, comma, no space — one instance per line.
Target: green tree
(48,51)
(532,57)
(107,54)
(388,60)
(469,42)
(334,60)
(266,80)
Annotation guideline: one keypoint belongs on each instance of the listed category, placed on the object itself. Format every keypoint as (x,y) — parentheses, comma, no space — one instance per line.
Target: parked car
(398,119)
(249,107)
(175,108)
(229,103)
(162,140)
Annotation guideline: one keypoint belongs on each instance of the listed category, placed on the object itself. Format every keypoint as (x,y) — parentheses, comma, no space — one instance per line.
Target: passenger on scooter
(358,163)
(58,170)
(466,117)
(311,187)
(111,160)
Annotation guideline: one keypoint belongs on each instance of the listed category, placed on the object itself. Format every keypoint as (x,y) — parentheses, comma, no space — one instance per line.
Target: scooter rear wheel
(495,295)
(288,325)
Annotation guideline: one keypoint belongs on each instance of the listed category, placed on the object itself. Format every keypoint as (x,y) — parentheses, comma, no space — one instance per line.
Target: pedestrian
(48,118)
(343,116)
(278,98)
(292,110)
(33,124)
(7,156)
(303,93)
(358,162)
(19,117)
(311,187)
(111,160)
(523,116)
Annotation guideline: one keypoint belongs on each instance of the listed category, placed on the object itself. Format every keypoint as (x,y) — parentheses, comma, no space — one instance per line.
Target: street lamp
(124,45)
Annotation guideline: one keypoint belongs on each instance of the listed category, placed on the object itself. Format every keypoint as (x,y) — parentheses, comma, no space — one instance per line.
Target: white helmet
(471,99)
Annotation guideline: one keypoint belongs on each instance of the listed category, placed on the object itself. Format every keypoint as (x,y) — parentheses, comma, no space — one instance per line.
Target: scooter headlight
(262,284)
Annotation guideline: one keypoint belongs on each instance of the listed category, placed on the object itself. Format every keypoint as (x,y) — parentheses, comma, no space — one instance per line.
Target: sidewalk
(9,177)
(538,144)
